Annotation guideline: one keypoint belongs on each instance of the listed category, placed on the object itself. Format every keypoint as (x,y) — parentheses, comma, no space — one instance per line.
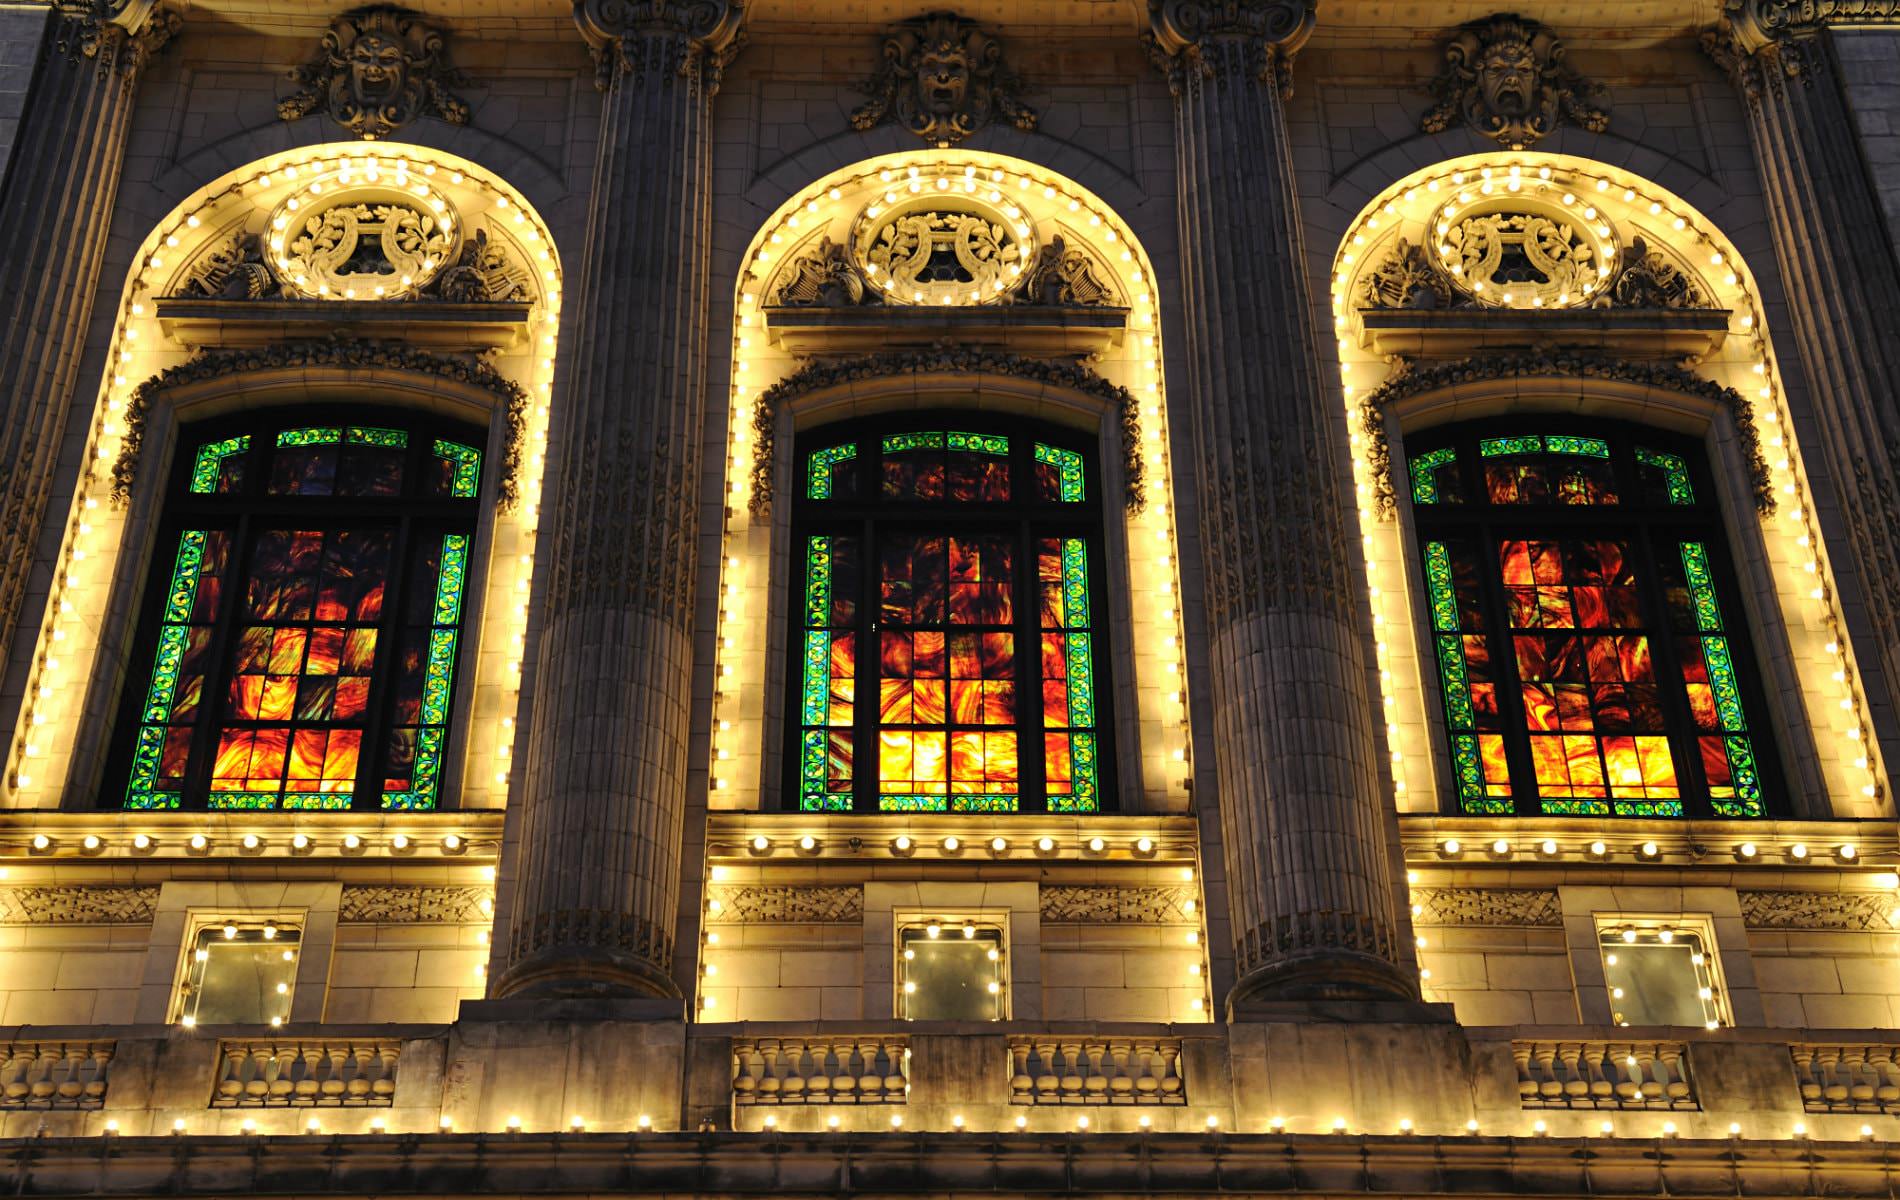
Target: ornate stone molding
(1505,77)
(1819,910)
(942,78)
(78,904)
(388,905)
(1116,905)
(119,35)
(829,905)
(376,70)
(482,271)
(1532,257)
(1215,38)
(1754,25)
(1535,907)
(1416,380)
(816,376)
(339,353)
(690,40)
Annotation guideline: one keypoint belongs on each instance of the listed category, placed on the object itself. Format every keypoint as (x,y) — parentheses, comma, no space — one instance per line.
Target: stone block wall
(20,32)
(1870,73)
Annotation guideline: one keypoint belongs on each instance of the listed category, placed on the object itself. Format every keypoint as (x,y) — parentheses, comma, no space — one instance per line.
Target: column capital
(666,39)
(1755,25)
(1220,38)
(120,35)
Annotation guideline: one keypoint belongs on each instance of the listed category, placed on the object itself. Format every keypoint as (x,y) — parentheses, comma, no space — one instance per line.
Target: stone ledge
(845,1163)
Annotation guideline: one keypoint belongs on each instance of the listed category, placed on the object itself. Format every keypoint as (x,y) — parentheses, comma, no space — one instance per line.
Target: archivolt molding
(465,243)
(1414,379)
(1659,269)
(944,360)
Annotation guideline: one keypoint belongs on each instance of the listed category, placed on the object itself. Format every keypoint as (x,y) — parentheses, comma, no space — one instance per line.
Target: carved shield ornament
(376,70)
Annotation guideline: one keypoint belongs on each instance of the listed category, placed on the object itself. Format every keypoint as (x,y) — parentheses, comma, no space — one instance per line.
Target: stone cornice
(903,1162)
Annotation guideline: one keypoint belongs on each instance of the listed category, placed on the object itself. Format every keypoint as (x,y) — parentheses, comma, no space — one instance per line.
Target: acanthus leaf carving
(942,78)
(1060,275)
(1216,40)
(79,904)
(375,70)
(772,904)
(1102,905)
(1505,77)
(1537,907)
(1818,910)
(392,904)
(661,40)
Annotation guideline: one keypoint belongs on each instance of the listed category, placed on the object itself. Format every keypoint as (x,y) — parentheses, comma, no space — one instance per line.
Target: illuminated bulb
(761,843)
(808,843)
(1452,846)
(1649,849)
(1746,849)
(1798,851)
(250,841)
(1144,845)
(1598,849)
(1549,848)
(230,931)
(999,844)
(248,1126)
(933,930)
(188,1020)
(1471,1126)
(1081,1122)
(951,845)
(451,842)
(91,842)
(1046,844)
(141,842)
(901,844)
(41,841)
(1500,847)
(178,1126)
(352,842)
(1339,1124)
(1846,853)
(1096,845)
(1144,1121)
(576,1123)
(1540,1127)
(771,1121)
(956,1121)
(1800,1129)
(897,1122)
(514,1123)
(1405,1124)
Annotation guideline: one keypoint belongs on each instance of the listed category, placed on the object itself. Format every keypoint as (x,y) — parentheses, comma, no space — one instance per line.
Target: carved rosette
(375,70)
(1505,77)
(942,78)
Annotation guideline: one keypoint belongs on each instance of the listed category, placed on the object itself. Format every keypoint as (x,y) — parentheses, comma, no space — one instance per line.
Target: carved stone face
(943,78)
(376,68)
(1507,77)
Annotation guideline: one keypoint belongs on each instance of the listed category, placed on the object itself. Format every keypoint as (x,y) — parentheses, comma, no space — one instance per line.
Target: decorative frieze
(1417,379)
(874,1069)
(54,1074)
(306,1073)
(1604,1074)
(1847,1077)
(942,78)
(1086,1070)
(383,905)
(1535,907)
(1505,77)
(1831,911)
(79,904)
(1099,905)
(376,70)
(889,365)
(774,904)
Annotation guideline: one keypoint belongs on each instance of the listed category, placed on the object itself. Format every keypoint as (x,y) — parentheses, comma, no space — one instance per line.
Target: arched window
(303,621)
(947,620)
(1591,647)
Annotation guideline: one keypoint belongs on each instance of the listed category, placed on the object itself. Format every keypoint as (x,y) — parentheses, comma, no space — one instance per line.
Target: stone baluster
(1526,1082)
(1676,1083)
(1859,1078)
(1171,1082)
(596,862)
(1886,1075)
(101,1064)
(1805,1076)
(55,208)
(1146,1084)
(335,1085)
(1305,826)
(1047,1081)
(1019,1080)
(309,1064)
(1832,1089)
(898,1081)
(1842,281)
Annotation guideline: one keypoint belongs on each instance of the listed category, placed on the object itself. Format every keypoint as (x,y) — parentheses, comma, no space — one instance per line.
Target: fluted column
(1840,272)
(55,208)
(597,864)
(1303,821)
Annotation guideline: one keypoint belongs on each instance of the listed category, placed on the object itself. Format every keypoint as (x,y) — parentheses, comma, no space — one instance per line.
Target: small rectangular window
(239,973)
(951,971)
(1661,972)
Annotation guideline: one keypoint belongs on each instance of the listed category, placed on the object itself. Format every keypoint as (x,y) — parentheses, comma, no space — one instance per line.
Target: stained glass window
(1574,588)
(303,635)
(946,623)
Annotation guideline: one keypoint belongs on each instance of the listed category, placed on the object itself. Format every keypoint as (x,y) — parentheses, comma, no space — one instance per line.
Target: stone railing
(1098,1070)
(54,1074)
(874,1069)
(1557,1074)
(1847,1077)
(306,1073)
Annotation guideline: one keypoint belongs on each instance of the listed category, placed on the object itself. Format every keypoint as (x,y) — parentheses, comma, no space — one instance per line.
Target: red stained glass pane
(1057,767)
(352,697)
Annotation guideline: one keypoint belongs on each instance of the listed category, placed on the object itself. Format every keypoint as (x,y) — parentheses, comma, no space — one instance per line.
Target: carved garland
(78,904)
(1414,380)
(1534,907)
(375,904)
(816,376)
(1818,910)
(1106,905)
(837,905)
(334,352)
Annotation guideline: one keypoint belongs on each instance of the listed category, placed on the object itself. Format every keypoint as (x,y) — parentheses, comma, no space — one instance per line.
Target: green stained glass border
(211,456)
(355,435)
(438,683)
(174,635)
(813,760)
(1544,444)
(466,482)
(327,435)
(1675,473)
(820,466)
(976,443)
(1438,580)
(1695,568)
(1746,778)
(1424,470)
(1068,465)
(1454,679)
(899,443)
(961,803)
(979,443)
(451,579)
(371,435)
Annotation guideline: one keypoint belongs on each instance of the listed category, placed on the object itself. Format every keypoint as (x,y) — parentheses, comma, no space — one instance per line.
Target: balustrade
(838,1070)
(313,1073)
(1583,1074)
(1083,1070)
(54,1074)
(1847,1077)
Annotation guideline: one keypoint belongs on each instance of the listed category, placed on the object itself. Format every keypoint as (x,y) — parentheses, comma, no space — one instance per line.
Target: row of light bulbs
(299,843)
(1503,848)
(1804,541)
(793,223)
(761,846)
(54,668)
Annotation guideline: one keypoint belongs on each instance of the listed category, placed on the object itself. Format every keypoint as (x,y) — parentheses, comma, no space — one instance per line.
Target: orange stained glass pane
(1586,769)
(279,698)
(1625,768)
(352,696)
(894,701)
(838,759)
(966,761)
(1055,702)
(267,759)
(999,761)
(1659,766)
(359,652)
(930,769)
(286,655)
(233,759)
(247,696)
(1497,771)
(326,651)
(1057,764)
(999,703)
(339,761)
(1540,707)
(306,757)
(966,701)
(927,701)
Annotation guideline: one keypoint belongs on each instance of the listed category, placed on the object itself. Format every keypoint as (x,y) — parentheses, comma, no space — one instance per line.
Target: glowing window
(240,972)
(1587,664)
(1660,973)
(951,971)
(301,638)
(946,624)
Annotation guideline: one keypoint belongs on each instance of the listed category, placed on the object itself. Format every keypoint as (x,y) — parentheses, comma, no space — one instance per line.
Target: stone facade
(1253,258)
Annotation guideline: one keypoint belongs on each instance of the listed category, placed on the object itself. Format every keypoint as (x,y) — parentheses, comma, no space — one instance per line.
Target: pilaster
(1305,827)
(597,867)
(1842,277)
(56,205)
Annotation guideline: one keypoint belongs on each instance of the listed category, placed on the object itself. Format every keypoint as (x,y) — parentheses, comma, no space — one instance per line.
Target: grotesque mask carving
(1504,76)
(376,70)
(943,79)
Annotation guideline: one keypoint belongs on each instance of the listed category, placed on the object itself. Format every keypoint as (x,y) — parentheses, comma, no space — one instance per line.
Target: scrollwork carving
(942,78)
(1405,278)
(386,905)
(823,905)
(484,273)
(234,269)
(816,376)
(1818,910)
(1101,905)
(79,904)
(339,353)
(1649,280)
(375,70)
(939,254)
(1537,907)
(824,277)
(1505,77)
